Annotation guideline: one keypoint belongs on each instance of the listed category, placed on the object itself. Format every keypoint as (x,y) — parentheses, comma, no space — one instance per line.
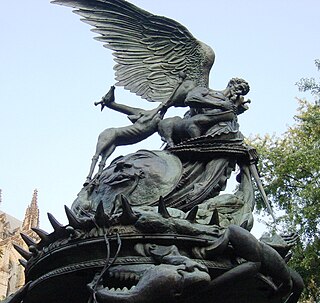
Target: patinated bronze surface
(153,226)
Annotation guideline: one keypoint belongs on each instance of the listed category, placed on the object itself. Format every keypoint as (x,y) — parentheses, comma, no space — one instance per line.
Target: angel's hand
(109,96)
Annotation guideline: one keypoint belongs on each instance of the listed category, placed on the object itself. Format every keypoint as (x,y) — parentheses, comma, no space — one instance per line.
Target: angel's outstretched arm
(125,109)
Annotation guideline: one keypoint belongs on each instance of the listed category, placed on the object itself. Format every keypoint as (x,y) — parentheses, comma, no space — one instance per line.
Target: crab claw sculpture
(174,278)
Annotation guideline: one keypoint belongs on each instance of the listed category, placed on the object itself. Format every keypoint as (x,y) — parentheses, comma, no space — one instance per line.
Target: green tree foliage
(310,84)
(290,170)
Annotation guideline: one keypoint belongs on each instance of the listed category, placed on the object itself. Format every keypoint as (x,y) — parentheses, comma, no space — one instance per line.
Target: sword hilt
(253,155)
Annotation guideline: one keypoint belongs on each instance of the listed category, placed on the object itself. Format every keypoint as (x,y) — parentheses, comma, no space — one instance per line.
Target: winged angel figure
(156,58)
(151,51)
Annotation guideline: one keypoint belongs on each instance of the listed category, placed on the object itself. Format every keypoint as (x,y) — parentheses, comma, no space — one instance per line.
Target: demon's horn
(41,233)
(73,220)
(192,215)
(101,218)
(28,240)
(23,262)
(54,222)
(25,254)
(128,216)
(215,218)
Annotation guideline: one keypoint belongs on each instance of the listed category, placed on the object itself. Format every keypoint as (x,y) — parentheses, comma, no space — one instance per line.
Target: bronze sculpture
(153,225)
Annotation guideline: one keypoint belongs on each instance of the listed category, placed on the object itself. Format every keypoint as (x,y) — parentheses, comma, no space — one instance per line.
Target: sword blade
(256,177)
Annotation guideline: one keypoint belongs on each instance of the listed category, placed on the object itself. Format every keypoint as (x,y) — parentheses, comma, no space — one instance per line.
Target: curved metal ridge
(77,244)
(120,261)
(87,265)
(207,148)
(141,236)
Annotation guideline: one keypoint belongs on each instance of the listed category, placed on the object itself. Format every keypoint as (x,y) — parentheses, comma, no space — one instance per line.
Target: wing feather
(150,51)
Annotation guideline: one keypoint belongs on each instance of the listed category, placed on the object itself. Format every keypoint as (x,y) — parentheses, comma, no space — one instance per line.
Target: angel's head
(238,87)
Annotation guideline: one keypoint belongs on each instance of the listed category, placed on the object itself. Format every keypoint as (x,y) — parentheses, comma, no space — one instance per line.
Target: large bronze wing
(150,50)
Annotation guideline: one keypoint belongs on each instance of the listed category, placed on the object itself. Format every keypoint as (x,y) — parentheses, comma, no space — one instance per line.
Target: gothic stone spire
(31,218)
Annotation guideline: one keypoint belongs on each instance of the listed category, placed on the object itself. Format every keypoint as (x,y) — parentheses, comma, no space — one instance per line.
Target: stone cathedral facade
(11,271)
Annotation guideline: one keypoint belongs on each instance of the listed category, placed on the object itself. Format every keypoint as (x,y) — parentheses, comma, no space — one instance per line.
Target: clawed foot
(94,284)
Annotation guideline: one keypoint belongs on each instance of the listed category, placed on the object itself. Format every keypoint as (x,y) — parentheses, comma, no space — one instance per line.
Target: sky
(52,71)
